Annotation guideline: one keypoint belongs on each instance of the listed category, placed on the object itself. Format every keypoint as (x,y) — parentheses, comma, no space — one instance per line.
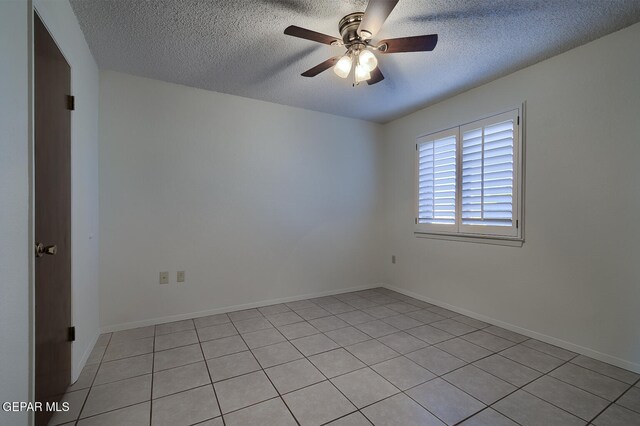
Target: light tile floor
(373,356)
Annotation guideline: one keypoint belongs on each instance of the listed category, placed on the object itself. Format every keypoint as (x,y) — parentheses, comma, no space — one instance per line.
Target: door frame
(33,10)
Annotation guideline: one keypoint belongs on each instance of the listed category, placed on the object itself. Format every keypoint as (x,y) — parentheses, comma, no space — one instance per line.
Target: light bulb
(343,66)
(362,73)
(368,59)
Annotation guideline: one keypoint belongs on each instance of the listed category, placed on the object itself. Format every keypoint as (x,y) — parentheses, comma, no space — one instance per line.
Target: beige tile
(174,340)
(174,327)
(328,323)
(606,369)
(464,350)
(314,344)
(479,384)
(111,396)
(125,368)
(297,330)
(372,352)
(274,309)
(353,419)
(489,417)
(507,370)
(261,338)
(243,391)
(271,412)
(216,332)
(570,398)
(403,373)
(132,334)
(243,315)
(532,358)
(224,346)
(400,410)
(616,415)
(185,408)
(280,353)
(128,348)
(318,404)
(176,357)
(596,383)
(294,375)
(336,362)
(284,318)
(347,336)
(402,342)
(364,387)
(211,320)
(75,400)
(228,366)
(435,360)
(527,409)
(446,401)
(86,378)
(179,379)
(135,415)
(488,341)
(252,324)
(376,328)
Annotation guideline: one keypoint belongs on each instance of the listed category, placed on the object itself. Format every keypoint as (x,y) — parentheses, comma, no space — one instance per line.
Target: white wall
(255,201)
(14,207)
(577,277)
(63,25)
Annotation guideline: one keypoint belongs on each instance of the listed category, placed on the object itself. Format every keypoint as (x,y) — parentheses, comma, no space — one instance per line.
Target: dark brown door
(52,80)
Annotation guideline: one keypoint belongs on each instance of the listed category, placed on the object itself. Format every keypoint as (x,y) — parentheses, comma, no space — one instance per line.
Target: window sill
(479,239)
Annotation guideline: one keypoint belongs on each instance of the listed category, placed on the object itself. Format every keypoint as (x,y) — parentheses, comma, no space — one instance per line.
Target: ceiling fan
(357,30)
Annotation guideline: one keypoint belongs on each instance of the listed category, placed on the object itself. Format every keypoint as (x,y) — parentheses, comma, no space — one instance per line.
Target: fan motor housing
(348,28)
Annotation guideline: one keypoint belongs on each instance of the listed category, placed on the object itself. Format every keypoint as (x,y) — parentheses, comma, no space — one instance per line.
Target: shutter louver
(488,175)
(437,181)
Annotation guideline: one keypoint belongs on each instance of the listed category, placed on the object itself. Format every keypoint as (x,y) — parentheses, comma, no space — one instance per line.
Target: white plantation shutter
(437,179)
(468,178)
(489,158)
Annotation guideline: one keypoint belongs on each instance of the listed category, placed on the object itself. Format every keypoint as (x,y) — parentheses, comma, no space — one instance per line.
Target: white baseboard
(77,367)
(224,310)
(610,359)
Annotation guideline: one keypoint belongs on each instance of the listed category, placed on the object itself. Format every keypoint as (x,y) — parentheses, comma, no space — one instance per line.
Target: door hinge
(72,334)
(71,103)
(517,223)
(416,220)
(416,147)
(518,120)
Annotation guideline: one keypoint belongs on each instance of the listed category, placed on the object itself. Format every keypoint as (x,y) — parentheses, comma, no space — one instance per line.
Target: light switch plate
(164,277)
(180,277)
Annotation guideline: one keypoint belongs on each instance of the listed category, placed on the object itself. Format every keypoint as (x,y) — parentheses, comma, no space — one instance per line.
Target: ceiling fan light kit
(357,30)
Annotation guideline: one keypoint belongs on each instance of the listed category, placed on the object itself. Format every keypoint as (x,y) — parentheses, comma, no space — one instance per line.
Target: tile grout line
(206,364)
(265,374)
(375,318)
(614,401)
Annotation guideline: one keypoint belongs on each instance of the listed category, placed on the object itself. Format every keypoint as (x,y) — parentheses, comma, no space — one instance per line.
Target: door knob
(41,250)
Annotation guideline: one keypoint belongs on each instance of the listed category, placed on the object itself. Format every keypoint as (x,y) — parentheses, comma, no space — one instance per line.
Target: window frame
(432,227)
(467,232)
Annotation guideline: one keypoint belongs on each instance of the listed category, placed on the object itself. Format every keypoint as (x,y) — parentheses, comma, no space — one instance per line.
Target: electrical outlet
(164,277)
(180,277)
(393,258)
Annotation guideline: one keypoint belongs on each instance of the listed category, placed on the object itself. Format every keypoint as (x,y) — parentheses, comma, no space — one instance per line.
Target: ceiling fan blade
(294,31)
(376,76)
(312,72)
(421,43)
(374,16)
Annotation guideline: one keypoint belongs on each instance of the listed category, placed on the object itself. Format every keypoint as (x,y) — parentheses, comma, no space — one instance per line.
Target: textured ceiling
(238,46)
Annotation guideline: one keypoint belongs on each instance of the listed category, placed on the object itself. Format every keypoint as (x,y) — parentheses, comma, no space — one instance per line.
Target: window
(468,179)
